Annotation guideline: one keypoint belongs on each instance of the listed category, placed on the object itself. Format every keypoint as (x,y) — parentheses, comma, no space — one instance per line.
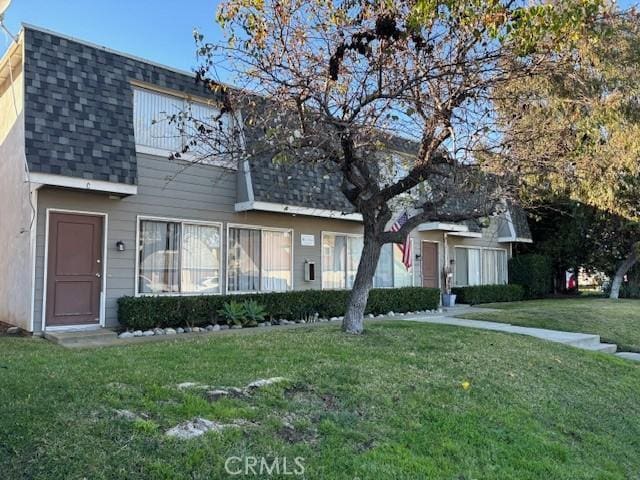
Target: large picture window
(480,266)
(341,257)
(259,260)
(178,257)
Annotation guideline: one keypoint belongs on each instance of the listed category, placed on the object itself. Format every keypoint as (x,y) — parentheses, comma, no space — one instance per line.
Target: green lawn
(616,321)
(387,405)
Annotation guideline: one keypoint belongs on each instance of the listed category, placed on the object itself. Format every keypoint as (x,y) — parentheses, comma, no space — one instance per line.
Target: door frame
(103,293)
(439,268)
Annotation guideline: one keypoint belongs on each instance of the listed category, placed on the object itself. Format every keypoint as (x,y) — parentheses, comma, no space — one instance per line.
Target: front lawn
(616,321)
(405,401)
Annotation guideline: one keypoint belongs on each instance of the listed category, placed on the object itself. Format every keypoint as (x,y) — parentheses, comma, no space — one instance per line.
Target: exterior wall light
(120,246)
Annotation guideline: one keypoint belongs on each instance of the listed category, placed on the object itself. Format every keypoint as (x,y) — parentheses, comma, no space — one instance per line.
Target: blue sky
(159,30)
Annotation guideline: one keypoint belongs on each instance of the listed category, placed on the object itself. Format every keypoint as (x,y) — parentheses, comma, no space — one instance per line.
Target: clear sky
(158,30)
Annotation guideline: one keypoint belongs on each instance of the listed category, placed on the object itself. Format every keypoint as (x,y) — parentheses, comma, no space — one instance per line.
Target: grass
(387,405)
(616,321)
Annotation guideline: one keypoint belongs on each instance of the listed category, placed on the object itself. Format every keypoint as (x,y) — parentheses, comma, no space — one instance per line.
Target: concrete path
(585,341)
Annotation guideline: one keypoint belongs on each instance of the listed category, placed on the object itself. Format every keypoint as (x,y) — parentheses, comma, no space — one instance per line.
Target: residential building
(93,209)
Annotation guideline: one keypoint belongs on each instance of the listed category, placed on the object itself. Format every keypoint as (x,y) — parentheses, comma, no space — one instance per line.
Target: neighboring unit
(93,209)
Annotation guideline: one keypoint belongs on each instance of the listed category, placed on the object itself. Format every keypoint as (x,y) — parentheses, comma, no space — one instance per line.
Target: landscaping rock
(215,395)
(371,315)
(126,335)
(334,319)
(137,333)
(188,385)
(148,333)
(216,328)
(188,330)
(224,327)
(390,314)
(263,324)
(179,330)
(169,331)
(13,330)
(127,415)
(236,327)
(158,331)
(263,382)
(209,328)
(195,428)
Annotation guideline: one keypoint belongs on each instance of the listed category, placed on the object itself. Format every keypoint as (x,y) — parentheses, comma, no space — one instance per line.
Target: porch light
(120,246)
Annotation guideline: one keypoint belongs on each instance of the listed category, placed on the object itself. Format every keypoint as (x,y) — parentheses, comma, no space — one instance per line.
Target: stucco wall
(15,212)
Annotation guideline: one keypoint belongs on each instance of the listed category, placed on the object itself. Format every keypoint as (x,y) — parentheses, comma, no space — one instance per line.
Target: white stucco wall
(15,211)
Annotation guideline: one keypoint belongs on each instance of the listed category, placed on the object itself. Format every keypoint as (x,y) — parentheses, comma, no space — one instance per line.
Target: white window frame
(261,228)
(482,249)
(359,235)
(182,222)
(393,266)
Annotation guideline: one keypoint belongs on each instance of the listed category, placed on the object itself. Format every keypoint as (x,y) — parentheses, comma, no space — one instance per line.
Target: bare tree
(396,97)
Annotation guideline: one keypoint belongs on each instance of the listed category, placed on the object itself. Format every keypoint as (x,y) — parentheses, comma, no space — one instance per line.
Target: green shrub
(254,313)
(534,272)
(233,313)
(488,294)
(173,311)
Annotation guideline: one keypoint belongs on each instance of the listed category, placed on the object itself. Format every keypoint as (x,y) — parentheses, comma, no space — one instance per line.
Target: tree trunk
(622,270)
(354,318)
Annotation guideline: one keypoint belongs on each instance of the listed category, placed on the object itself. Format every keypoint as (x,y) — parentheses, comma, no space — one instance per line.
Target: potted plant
(448,298)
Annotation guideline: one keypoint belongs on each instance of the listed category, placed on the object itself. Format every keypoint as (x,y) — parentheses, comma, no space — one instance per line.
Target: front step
(80,338)
(602,347)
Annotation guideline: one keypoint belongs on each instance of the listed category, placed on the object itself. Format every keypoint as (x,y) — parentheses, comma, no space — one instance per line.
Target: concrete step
(80,337)
(602,347)
(629,356)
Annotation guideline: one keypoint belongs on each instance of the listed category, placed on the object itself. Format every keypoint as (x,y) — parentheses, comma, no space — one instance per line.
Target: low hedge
(534,272)
(174,311)
(488,294)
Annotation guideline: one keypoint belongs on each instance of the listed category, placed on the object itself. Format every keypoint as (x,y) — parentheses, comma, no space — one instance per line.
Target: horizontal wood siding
(168,189)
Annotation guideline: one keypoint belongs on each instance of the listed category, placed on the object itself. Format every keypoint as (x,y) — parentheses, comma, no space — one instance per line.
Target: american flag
(405,247)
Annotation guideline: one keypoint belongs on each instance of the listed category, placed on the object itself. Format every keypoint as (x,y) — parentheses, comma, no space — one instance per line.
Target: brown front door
(429,264)
(74,269)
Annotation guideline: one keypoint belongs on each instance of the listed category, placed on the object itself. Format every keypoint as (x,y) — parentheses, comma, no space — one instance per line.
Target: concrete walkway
(585,341)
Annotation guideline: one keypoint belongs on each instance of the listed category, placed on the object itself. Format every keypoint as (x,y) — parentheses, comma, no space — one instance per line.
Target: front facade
(95,210)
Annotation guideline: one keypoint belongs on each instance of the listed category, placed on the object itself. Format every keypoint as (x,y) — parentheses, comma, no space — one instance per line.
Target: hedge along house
(94,209)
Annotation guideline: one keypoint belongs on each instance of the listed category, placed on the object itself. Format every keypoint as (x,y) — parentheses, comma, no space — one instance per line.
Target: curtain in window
(502,267)
(402,277)
(489,267)
(334,254)
(354,252)
(276,261)
(462,267)
(384,271)
(244,260)
(200,271)
(473,257)
(151,124)
(159,257)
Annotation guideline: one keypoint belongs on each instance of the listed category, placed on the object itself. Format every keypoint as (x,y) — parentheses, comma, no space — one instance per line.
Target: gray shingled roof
(520,221)
(302,185)
(79,107)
